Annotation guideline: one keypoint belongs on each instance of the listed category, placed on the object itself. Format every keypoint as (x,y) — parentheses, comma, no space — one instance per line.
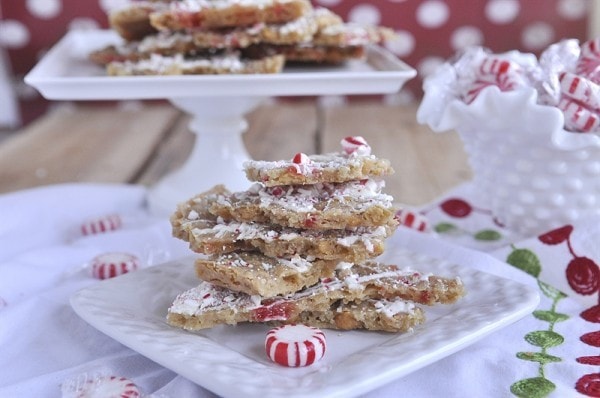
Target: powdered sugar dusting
(359,195)
(208,297)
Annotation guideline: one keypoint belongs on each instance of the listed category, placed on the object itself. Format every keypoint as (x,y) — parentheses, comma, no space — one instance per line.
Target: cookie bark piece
(166,44)
(257,274)
(305,53)
(208,234)
(319,206)
(178,65)
(133,22)
(194,14)
(348,34)
(208,305)
(393,316)
(193,209)
(199,41)
(333,167)
(345,245)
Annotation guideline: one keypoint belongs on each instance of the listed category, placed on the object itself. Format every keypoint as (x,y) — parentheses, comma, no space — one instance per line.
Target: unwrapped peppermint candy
(295,345)
(109,265)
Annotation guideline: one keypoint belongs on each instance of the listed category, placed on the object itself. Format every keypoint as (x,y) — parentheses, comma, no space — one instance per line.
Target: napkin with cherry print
(43,256)
(564,336)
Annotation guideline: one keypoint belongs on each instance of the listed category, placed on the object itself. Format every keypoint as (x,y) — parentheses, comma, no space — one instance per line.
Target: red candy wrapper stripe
(494,71)
(577,117)
(101,386)
(580,89)
(295,345)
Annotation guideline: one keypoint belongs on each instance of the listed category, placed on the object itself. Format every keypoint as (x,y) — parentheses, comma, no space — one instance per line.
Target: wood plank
(282,129)
(426,164)
(85,144)
(170,154)
(275,131)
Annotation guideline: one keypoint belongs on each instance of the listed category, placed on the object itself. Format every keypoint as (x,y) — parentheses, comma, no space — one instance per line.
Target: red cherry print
(592,338)
(592,314)
(589,360)
(556,236)
(456,208)
(589,385)
(583,275)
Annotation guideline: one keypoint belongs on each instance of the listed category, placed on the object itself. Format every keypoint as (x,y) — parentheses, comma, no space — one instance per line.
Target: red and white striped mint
(413,220)
(103,387)
(591,48)
(494,71)
(302,163)
(356,145)
(577,117)
(588,64)
(580,89)
(101,225)
(295,345)
(109,265)
(301,158)
(496,66)
(475,88)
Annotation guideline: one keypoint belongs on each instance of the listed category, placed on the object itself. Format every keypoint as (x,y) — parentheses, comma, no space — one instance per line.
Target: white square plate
(231,362)
(65,73)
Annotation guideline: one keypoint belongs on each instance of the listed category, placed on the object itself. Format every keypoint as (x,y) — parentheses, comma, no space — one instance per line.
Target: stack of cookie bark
(229,36)
(299,246)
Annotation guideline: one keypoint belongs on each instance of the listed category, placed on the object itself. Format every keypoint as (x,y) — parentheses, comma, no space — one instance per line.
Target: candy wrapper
(102,383)
(530,129)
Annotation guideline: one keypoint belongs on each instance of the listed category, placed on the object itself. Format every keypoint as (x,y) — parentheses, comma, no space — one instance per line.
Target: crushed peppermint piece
(356,146)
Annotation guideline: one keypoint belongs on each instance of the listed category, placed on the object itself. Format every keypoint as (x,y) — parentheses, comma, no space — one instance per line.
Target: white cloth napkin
(44,259)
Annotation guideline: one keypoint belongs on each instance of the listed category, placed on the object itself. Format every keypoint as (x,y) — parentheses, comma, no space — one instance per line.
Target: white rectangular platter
(231,362)
(65,73)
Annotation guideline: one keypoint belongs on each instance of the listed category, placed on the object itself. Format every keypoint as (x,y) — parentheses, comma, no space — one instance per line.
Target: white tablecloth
(44,259)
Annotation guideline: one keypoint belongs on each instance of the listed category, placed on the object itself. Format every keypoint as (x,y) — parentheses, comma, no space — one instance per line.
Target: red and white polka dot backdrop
(430,31)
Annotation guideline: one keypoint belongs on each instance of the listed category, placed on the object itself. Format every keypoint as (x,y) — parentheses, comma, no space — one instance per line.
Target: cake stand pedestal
(217,155)
(217,103)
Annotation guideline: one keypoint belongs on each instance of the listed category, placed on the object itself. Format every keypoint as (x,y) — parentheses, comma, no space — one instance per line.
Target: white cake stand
(218,104)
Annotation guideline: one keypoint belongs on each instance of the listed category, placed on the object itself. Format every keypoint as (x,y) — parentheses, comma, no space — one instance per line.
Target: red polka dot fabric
(429,31)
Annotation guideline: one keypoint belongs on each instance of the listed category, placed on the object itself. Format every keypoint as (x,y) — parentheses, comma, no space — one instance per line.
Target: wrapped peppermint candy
(100,386)
(478,69)
(521,122)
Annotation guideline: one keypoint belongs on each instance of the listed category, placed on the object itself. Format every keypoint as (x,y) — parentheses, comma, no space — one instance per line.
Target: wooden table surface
(140,144)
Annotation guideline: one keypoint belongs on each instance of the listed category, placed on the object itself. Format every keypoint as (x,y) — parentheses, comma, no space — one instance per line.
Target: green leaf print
(525,260)
(535,387)
(551,292)
(544,338)
(538,357)
(488,235)
(550,316)
(445,228)
(538,387)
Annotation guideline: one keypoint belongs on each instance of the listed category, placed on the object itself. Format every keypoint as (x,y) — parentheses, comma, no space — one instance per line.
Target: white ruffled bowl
(533,174)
